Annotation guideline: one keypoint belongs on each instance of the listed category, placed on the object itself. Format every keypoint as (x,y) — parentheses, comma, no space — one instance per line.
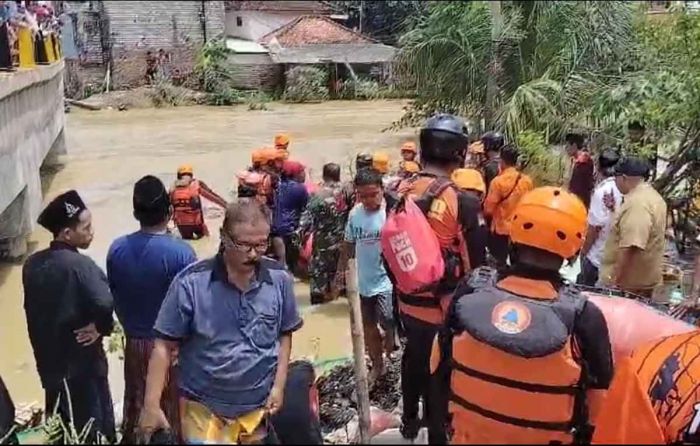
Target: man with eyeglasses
(232,319)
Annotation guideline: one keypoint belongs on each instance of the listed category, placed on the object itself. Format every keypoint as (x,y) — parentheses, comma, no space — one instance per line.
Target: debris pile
(337,394)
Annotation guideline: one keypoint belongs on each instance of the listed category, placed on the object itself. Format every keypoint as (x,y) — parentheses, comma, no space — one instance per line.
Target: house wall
(255,72)
(136,27)
(256,24)
(121,32)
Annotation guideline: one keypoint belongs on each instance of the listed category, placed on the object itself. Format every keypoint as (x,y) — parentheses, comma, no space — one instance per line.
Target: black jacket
(63,291)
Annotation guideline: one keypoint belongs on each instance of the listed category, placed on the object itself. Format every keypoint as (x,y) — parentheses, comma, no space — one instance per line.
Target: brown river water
(110,150)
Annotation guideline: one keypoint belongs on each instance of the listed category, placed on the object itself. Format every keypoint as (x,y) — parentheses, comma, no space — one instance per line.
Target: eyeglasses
(230,243)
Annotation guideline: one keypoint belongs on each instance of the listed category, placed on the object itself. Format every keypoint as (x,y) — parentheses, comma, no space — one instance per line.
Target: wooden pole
(358,350)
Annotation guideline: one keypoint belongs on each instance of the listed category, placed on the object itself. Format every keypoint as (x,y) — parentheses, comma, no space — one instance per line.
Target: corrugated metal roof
(245,46)
(334,53)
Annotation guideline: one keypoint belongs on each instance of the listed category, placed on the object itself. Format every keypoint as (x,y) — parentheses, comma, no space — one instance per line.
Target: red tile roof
(301,6)
(314,30)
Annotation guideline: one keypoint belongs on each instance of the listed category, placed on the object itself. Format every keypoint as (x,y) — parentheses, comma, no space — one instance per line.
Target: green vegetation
(306,84)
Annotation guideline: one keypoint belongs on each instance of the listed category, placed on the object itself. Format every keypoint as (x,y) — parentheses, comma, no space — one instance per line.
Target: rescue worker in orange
(408,169)
(272,162)
(524,358)
(257,158)
(282,144)
(654,398)
(453,216)
(409,153)
(249,186)
(470,182)
(505,192)
(186,198)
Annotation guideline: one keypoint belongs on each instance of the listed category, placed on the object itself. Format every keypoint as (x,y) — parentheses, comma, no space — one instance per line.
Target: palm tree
(535,67)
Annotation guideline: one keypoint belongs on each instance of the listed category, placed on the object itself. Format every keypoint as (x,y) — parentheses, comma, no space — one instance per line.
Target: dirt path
(110,150)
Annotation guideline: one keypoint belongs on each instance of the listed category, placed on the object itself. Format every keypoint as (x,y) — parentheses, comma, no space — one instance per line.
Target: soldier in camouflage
(325,217)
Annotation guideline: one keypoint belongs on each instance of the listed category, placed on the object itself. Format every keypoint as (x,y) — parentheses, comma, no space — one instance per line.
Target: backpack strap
(434,190)
(506,196)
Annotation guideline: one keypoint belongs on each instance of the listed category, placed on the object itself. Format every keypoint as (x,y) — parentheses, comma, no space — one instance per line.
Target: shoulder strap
(517,180)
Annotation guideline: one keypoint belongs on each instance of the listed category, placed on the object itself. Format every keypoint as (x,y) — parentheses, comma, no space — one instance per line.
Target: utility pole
(494,63)
(362,10)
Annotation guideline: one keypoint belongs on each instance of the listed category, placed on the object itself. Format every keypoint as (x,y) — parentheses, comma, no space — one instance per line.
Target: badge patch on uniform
(511,317)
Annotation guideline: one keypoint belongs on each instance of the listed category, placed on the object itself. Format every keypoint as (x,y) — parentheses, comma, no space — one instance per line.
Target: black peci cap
(632,167)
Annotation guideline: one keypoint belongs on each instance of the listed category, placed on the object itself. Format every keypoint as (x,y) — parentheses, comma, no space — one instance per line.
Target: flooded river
(110,150)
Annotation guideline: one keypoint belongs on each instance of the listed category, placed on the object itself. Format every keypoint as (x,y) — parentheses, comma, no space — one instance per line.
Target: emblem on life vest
(511,317)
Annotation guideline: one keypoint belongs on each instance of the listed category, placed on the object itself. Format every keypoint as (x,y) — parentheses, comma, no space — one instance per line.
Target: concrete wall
(255,71)
(256,24)
(175,26)
(31,135)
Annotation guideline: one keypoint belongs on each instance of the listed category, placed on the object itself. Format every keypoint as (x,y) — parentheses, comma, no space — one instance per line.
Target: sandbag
(632,324)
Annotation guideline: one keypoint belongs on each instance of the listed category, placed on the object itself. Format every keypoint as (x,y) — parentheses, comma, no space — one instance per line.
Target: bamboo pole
(358,349)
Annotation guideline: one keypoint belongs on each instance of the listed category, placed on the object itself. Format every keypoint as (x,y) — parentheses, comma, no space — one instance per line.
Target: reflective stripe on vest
(514,377)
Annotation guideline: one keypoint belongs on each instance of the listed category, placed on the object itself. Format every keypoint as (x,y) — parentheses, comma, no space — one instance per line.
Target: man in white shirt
(605,201)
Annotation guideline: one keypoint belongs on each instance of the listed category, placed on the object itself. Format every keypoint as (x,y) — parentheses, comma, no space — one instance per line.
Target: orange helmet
(257,156)
(409,146)
(469,179)
(410,167)
(269,155)
(284,153)
(476,147)
(185,169)
(551,219)
(281,139)
(380,162)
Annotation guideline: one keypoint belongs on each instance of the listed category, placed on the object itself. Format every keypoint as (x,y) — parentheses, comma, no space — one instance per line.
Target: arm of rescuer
(627,416)
(212,196)
(474,228)
(592,342)
(171,326)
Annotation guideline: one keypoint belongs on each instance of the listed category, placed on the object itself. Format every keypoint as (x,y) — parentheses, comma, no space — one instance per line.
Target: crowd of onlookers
(38,17)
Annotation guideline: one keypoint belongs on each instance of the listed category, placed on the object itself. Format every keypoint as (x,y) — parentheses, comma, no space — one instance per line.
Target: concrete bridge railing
(31,136)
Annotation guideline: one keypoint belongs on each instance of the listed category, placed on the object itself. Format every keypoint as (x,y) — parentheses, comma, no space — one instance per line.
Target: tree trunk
(494,64)
(358,350)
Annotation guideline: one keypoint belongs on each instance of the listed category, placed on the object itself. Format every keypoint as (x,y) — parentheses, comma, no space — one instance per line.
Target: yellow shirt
(640,222)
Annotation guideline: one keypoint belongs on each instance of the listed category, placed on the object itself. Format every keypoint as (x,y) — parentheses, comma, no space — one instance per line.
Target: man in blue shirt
(290,201)
(362,240)
(232,319)
(140,268)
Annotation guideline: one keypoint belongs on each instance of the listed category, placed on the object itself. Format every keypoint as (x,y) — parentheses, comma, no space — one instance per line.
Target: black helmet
(444,137)
(607,160)
(363,160)
(492,140)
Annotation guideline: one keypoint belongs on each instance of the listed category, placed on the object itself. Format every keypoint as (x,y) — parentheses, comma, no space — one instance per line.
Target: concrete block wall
(255,71)
(31,129)
(175,26)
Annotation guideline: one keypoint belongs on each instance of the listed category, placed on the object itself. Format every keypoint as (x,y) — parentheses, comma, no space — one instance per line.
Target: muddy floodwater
(110,150)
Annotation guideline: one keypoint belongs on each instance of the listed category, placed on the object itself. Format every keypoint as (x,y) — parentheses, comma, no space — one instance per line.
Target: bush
(543,163)
(164,94)
(225,96)
(306,84)
(258,100)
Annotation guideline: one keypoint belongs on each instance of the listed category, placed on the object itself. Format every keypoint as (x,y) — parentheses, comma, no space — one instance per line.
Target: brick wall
(136,27)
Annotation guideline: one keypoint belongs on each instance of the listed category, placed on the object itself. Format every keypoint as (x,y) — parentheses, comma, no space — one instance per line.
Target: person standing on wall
(140,268)
(69,307)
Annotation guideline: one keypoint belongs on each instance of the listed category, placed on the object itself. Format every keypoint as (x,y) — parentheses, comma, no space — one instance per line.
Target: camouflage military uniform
(325,217)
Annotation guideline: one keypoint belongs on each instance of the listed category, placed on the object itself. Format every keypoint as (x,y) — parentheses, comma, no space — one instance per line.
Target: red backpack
(409,244)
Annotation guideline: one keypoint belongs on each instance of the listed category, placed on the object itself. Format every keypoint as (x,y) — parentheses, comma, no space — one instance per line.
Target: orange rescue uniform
(505,191)
(655,396)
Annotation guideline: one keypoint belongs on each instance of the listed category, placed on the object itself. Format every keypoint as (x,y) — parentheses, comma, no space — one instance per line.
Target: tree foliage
(550,58)
(382,20)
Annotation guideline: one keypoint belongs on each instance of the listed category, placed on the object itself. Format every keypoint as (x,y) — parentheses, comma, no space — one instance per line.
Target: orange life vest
(187,204)
(514,373)
(442,213)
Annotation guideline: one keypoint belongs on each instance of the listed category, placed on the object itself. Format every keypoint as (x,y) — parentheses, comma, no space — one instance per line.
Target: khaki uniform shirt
(640,222)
